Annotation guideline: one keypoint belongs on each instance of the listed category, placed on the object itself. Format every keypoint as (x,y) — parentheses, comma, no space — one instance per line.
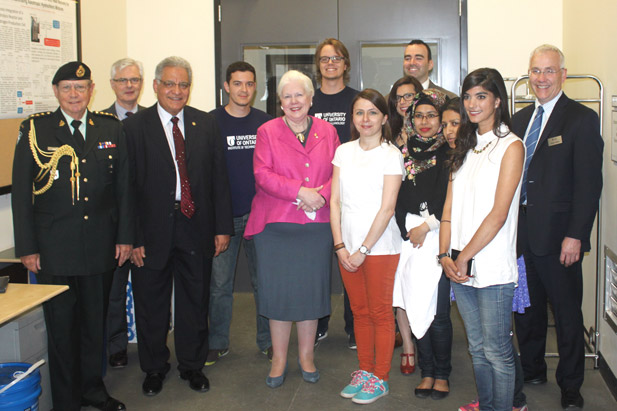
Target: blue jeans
(435,348)
(222,286)
(487,314)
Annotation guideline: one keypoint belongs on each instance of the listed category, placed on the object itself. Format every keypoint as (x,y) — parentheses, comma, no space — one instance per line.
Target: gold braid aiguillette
(52,165)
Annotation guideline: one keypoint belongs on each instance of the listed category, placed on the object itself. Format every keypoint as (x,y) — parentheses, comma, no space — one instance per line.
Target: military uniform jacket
(73,239)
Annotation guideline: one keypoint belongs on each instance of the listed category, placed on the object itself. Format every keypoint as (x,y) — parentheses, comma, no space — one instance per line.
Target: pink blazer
(282,165)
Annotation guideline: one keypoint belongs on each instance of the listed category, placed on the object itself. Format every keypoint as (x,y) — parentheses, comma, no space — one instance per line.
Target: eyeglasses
(429,116)
(170,84)
(334,59)
(547,72)
(134,81)
(80,88)
(406,97)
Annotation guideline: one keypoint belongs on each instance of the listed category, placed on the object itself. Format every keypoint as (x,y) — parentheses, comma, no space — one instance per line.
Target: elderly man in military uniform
(72,217)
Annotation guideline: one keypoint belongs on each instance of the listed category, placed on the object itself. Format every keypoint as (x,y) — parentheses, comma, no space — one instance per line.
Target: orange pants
(370,296)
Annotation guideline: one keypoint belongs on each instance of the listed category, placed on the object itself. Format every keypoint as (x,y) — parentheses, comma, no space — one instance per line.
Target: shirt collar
(483,139)
(82,126)
(69,119)
(121,111)
(550,105)
(166,117)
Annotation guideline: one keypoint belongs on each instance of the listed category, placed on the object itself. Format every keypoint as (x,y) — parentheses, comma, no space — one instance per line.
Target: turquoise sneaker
(371,391)
(357,381)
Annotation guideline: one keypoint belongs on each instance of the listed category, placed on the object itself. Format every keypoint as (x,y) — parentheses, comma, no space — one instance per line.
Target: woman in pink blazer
(289,221)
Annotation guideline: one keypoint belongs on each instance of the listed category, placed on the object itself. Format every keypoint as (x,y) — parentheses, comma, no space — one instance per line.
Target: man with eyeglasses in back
(418,63)
(184,219)
(332,102)
(73,224)
(562,182)
(126,81)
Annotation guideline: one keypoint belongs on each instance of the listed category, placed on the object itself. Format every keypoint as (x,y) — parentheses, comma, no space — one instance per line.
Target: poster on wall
(36,37)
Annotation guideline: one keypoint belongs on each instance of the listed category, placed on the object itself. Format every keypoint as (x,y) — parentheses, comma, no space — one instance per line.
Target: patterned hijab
(420,153)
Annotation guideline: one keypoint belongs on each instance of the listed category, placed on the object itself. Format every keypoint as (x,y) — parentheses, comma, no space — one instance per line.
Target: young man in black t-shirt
(332,102)
(238,123)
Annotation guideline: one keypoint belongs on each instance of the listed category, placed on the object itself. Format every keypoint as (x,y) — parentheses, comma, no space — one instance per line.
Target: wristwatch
(442,255)
(364,250)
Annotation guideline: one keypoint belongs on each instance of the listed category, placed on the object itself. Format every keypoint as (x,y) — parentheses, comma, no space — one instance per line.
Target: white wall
(502,33)
(104,41)
(595,55)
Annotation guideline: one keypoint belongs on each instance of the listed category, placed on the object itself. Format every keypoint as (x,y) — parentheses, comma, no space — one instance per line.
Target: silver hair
(295,75)
(173,61)
(124,63)
(549,47)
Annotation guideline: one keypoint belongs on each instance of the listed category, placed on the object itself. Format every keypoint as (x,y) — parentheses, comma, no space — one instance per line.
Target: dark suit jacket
(564,177)
(112,109)
(74,239)
(155,182)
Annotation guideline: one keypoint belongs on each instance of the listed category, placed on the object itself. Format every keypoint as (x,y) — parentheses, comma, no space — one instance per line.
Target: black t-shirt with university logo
(335,109)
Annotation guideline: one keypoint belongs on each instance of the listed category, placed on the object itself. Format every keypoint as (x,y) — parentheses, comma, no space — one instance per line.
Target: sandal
(407,369)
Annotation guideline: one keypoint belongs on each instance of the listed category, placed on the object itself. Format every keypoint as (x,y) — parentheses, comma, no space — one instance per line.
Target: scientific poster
(36,37)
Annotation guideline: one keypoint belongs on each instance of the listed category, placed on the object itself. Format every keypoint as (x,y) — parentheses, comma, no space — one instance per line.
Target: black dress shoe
(110,404)
(197,380)
(571,399)
(423,392)
(118,360)
(536,380)
(439,395)
(153,384)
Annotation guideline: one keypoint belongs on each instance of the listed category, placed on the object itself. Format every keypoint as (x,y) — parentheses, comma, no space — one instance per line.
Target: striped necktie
(530,145)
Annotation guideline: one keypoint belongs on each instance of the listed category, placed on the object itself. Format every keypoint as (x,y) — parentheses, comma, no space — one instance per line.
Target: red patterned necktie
(186,203)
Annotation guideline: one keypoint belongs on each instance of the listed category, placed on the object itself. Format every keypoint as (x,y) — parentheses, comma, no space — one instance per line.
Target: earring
(281,107)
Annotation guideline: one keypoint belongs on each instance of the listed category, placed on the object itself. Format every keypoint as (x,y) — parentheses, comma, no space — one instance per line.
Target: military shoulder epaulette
(106,114)
(42,114)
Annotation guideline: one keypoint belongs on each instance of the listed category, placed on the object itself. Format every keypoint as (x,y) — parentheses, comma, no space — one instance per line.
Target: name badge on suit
(553,141)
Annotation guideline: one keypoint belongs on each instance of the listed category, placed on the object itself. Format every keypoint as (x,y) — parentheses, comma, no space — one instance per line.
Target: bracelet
(339,246)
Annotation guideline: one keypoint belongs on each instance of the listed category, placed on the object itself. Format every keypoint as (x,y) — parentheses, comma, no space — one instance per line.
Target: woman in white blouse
(481,209)
(367,175)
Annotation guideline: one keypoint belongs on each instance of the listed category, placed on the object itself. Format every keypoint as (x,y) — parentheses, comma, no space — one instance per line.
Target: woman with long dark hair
(481,211)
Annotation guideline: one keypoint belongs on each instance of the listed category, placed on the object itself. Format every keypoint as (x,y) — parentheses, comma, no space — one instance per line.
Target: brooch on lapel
(105,144)
(61,123)
(91,122)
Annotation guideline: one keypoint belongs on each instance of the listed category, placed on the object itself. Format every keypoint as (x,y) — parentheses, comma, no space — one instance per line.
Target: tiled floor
(238,380)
